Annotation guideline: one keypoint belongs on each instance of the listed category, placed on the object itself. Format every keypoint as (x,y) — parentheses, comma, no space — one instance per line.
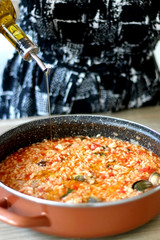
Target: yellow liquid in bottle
(8,27)
(6,7)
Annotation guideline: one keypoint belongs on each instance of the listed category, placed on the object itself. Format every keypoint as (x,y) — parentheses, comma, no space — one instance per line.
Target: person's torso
(90,32)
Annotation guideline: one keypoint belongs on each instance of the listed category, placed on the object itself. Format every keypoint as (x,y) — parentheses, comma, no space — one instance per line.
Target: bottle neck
(17,38)
(26,48)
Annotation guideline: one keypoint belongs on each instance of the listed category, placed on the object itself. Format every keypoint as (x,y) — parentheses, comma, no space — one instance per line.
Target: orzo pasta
(79,169)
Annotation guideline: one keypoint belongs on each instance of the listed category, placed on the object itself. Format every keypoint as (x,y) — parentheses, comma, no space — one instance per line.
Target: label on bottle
(16,32)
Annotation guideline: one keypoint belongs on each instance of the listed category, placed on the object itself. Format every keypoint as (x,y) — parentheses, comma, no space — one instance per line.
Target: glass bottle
(14,34)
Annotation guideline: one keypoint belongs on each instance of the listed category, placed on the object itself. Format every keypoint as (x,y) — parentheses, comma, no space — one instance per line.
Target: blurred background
(6,48)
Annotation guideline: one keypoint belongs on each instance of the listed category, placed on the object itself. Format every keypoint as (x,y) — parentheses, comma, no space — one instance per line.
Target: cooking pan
(87,220)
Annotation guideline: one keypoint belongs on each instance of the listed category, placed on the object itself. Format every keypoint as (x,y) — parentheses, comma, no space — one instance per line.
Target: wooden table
(149,116)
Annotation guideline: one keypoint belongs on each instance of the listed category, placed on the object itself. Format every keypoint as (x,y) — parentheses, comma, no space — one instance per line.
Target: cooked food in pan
(81,169)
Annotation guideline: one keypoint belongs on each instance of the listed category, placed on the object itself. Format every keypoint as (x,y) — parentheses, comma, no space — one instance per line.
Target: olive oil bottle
(14,34)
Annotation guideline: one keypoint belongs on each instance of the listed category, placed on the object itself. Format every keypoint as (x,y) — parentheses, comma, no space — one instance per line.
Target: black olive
(109,165)
(42,163)
(100,153)
(80,178)
(93,199)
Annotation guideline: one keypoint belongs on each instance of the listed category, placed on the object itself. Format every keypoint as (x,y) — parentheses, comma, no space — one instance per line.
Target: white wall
(5,51)
(157,54)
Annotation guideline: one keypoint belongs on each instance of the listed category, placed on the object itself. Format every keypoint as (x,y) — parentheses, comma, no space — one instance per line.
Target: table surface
(150,117)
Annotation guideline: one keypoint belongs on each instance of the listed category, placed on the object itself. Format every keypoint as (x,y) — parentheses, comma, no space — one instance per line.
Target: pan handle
(21,221)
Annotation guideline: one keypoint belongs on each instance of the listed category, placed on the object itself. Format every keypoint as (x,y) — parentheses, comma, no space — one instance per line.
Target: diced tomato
(111,174)
(19,160)
(57,149)
(27,176)
(69,141)
(47,179)
(103,176)
(93,146)
(147,169)
(2,173)
(121,190)
(75,187)
(140,152)
(138,162)
(43,153)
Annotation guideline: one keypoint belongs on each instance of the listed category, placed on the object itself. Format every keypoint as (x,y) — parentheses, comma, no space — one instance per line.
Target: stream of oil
(49,104)
(49,108)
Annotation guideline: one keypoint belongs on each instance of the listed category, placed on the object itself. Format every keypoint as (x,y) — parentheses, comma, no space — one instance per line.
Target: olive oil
(49,105)
(14,34)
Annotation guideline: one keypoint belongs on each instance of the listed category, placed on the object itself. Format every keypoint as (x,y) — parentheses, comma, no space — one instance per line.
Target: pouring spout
(43,67)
